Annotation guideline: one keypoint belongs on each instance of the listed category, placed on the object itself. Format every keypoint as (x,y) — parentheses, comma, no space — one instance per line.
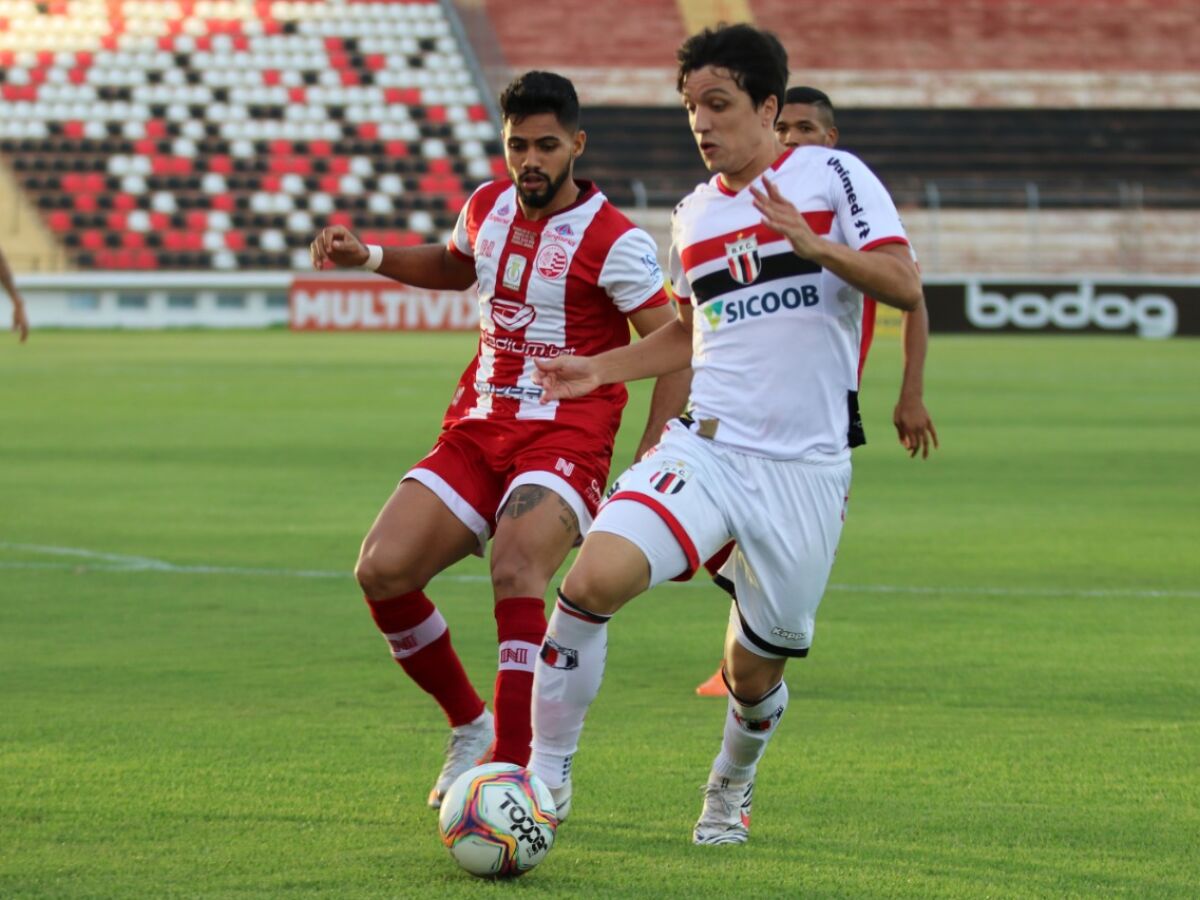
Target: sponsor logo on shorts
(556,656)
(552,262)
(788,635)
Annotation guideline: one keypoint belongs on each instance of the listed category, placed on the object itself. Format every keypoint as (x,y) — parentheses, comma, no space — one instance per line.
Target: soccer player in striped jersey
(771,260)
(558,270)
(808,119)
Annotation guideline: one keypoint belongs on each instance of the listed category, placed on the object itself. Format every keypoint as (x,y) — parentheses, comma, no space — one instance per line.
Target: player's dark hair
(754,59)
(541,92)
(810,96)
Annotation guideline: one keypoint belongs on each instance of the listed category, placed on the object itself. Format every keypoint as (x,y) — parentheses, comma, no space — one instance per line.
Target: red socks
(420,643)
(520,628)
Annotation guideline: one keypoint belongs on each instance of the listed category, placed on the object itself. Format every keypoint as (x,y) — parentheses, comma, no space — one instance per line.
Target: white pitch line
(115,562)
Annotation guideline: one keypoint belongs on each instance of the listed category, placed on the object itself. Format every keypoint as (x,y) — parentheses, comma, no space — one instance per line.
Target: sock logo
(510,655)
(556,656)
(764,724)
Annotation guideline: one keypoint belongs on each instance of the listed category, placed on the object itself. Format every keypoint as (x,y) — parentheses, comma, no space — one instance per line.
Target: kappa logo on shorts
(556,656)
(788,635)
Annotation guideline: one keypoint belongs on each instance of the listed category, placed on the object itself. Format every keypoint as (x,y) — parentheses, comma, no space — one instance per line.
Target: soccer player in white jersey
(770,259)
(807,119)
(557,271)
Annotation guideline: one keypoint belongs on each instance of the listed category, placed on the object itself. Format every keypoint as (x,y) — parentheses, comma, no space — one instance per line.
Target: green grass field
(1003,699)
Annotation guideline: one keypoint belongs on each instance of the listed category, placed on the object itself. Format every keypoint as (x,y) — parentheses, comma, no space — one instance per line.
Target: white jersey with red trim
(776,338)
(562,284)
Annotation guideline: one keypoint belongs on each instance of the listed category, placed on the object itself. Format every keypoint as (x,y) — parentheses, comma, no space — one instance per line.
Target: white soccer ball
(498,820)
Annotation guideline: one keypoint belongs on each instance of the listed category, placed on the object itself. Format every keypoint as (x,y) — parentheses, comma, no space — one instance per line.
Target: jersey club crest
(742,258)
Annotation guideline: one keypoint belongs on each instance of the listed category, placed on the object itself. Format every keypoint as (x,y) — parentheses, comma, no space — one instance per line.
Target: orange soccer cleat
(713,687)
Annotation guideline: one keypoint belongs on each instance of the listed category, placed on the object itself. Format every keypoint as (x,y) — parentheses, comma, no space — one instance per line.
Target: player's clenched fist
(564,377)
(338,245)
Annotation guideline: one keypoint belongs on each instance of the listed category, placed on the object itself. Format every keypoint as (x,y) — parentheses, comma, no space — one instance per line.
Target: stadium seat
(158,123)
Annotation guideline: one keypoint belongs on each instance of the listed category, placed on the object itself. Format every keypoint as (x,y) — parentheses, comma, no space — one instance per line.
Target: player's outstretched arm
(429,266)
(669,349)
(20,323)
(671,390)
(914,427)
(886,272)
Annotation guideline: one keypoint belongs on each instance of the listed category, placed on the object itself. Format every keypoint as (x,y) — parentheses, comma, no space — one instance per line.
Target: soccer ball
(498,820)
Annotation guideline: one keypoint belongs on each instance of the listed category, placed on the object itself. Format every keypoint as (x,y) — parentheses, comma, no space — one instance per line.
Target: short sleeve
(862,205)
(462,238)
(679,282)
(631,275)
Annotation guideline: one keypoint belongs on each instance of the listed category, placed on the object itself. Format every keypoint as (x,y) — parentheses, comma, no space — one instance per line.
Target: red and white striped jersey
(776,338)
(562,284)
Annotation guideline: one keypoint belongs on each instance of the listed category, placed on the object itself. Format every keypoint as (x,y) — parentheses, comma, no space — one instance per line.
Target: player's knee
(515,575)
(381,577)
(593,589)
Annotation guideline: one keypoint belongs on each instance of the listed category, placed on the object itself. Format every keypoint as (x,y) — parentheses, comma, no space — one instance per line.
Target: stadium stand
(197,134)
(980,158)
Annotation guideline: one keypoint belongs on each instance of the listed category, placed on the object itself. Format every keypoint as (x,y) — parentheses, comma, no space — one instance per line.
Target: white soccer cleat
(562,799)
(467,745)
(725,818)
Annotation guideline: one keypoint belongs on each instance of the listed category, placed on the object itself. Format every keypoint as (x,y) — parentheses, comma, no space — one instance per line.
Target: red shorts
(476,463)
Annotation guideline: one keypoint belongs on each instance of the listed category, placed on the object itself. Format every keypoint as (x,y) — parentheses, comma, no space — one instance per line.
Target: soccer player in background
(770,259)
(558,270)
(20,322)
(807,119)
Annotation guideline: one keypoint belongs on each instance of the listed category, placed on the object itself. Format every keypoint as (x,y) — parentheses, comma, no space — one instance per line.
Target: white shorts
(786,516)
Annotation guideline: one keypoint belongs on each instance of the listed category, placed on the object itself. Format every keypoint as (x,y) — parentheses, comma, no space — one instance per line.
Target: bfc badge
(670,477)
(743,260)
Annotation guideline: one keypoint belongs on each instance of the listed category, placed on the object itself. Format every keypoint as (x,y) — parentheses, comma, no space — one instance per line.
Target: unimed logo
(1074,308)
(319,304)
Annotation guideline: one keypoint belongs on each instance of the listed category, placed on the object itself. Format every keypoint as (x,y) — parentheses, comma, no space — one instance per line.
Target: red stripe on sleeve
(894,239)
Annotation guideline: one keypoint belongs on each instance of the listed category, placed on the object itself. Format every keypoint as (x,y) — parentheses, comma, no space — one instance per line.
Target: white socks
(747,731)
(566,680)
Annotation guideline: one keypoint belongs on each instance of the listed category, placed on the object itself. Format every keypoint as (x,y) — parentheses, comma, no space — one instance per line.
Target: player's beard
(541,199)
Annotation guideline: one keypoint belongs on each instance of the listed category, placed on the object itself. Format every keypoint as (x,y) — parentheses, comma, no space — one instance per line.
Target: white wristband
(374,258)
